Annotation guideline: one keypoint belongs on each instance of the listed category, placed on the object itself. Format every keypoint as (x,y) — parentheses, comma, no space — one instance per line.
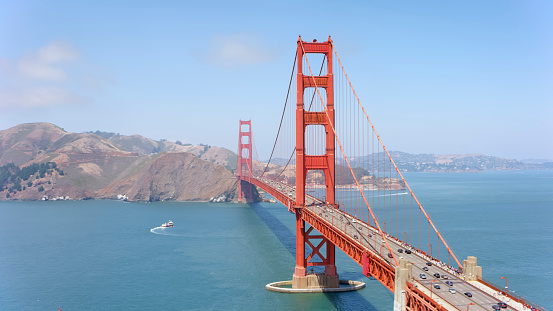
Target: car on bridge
(425,268)
(449,283)
(429,263)
(502,304)
(423,276)
(452,290)
(390,255)
(407,251)
(400,250)
(444,276)
(437,286)
(468,294)
(437,275)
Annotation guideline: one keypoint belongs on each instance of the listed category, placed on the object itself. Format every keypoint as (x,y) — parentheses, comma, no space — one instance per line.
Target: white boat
(167,224)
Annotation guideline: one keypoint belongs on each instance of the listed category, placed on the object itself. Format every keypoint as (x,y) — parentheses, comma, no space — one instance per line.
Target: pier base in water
(284,287)
(315,280)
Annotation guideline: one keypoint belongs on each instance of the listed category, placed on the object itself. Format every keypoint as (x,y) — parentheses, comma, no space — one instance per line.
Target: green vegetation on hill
(105,135)
(11,175)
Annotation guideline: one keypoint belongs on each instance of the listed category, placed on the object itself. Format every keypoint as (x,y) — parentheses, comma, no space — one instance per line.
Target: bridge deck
(367,239)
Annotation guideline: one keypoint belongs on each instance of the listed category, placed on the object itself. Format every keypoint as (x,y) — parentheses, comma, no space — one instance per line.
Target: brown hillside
(175,176)
(135,143)
(23,142)
(146,146)
(90,166)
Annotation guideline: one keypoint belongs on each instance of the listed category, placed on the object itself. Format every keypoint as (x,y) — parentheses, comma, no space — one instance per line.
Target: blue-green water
(90,255)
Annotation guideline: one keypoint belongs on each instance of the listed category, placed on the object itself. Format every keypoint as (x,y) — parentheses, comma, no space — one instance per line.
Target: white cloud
(238,50)
(42,78)
(45,64)
(35,69)
(58,51)
(40,96)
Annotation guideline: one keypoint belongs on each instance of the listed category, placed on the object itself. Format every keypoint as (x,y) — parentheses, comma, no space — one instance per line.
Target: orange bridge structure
(330,168)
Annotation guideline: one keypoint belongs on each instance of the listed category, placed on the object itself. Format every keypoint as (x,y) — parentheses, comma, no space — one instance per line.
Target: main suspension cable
(309,109)
(283,111)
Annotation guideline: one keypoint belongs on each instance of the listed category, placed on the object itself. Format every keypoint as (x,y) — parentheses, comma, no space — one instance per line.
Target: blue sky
(435,76)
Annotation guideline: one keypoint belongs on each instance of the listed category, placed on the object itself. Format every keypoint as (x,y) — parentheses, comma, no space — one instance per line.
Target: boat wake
(157,230)
(391,194)
(164,231)
(161,231)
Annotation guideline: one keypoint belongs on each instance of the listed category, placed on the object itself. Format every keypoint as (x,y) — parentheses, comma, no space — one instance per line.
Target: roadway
(371,240)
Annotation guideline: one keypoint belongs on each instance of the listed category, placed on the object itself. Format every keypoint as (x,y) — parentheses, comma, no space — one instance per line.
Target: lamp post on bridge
(505,284)
(431,287)
(469,305)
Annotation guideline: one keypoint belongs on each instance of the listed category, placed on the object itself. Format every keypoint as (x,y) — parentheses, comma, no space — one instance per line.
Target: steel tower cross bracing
(306,162)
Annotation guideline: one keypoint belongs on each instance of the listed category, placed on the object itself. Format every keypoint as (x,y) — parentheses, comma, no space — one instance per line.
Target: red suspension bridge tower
(245,191)
(306,162)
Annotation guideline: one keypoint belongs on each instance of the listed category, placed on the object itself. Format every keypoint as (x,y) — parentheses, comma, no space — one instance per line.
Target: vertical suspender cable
(384,148)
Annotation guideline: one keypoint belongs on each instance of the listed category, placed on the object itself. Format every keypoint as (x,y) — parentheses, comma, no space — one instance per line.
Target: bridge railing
(418,300)
(529,305)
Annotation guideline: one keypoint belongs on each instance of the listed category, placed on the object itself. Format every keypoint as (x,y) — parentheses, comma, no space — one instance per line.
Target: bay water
(112,255)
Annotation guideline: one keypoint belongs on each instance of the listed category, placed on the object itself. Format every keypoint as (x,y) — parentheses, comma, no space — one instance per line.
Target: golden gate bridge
(331,169)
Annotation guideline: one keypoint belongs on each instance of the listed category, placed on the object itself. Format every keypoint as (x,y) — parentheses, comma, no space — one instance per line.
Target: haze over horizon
(441,78)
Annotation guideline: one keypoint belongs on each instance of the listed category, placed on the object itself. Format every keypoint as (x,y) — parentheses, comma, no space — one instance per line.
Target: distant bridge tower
(305,162)
(245,191)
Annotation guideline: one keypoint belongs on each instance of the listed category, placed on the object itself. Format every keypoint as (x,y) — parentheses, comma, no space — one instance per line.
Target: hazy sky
(435,76)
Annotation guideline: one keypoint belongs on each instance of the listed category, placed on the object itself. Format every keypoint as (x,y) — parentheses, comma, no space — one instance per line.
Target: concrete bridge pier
(316,280)
(303,280)
(404,272)
(471,272)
